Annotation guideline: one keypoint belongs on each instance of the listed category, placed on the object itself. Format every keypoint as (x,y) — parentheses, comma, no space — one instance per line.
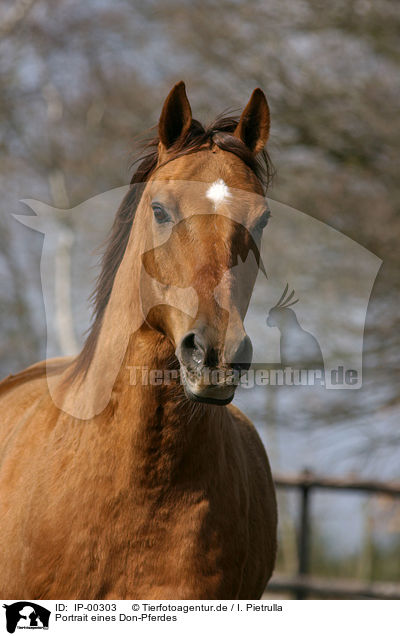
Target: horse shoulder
(28,378)
(253,448)
(21,393)
(262,509)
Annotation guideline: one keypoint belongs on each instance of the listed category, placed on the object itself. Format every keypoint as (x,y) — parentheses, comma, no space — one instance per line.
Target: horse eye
(160,215)
(263,220)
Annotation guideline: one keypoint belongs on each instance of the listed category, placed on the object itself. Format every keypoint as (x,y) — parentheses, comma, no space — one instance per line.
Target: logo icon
(26,615)
(298,347)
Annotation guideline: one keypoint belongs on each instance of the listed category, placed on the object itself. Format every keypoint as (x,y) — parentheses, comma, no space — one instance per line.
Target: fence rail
(302,583)
(307,479)
(330,588)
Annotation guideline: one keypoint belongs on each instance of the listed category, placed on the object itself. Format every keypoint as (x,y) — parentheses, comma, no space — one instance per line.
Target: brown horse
(118,488)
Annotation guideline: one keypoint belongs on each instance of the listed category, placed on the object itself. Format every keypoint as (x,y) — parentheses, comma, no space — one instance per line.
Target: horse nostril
(192,350)
(196,350)
(242,357)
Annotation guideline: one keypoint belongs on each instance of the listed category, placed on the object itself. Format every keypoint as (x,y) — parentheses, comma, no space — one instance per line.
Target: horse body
(180,505)
(162,493)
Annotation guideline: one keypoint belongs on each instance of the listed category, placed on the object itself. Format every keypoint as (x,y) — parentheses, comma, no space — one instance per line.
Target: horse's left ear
(253,127)
(176,117)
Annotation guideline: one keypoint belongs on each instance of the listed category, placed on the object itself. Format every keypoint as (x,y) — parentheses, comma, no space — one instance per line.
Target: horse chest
(192,544)
(167,547)
(133,538)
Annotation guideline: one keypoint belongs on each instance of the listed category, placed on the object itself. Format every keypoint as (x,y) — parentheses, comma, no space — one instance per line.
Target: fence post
(300,585)
(304,532)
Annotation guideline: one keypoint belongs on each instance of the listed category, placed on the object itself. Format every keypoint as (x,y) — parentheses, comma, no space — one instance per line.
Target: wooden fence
(303,584)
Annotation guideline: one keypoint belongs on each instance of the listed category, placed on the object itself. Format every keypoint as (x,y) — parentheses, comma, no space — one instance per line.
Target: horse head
(206,209)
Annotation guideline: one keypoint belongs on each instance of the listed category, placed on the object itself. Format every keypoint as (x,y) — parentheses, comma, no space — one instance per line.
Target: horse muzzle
(207,375)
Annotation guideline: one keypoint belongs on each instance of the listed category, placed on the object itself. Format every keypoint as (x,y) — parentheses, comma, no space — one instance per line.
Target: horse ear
(253,127)
(176,117)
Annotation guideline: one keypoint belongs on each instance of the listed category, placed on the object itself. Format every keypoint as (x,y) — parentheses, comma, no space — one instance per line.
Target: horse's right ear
(176,117)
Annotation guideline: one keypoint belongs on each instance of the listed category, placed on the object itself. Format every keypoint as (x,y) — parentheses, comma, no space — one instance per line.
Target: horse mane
(198,137)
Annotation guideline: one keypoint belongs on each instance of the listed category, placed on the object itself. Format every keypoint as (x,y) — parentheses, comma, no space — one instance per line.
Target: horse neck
(167,433)
(89,393)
